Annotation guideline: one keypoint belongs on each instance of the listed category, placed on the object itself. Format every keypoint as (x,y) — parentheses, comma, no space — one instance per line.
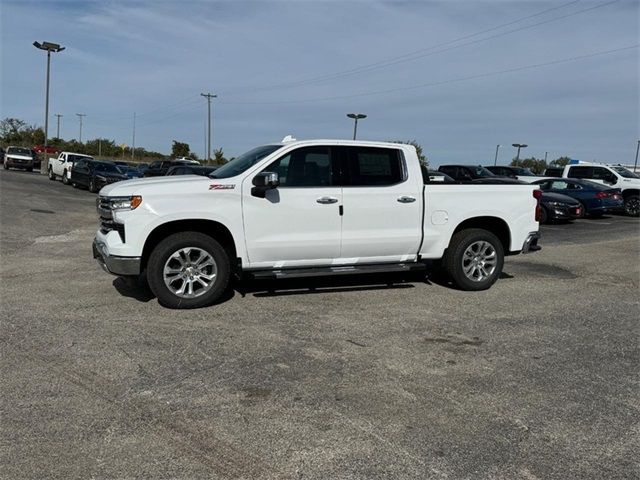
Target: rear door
(382,210)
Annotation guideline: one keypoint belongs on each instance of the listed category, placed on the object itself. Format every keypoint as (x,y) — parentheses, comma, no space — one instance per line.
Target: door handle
(327,200)
(406,199)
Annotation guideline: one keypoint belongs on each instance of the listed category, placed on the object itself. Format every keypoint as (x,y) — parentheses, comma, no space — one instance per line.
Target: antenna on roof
(288,139)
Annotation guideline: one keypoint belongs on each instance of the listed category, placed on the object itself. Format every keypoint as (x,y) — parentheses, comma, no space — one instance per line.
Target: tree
(218,157)
(423,159)
(536,165)
(561,162)
(179,149)
(11,130)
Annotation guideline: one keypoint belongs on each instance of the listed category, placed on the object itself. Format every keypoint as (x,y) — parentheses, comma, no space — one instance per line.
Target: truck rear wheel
(65,177)
(188,270)
(632,205)
(52,176)
(474,259)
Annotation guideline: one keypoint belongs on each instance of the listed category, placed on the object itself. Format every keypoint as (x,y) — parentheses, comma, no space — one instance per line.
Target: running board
(336,270)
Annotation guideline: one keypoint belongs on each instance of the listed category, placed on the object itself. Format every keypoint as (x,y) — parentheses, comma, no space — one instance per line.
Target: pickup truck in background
(19,157)
(614,176)
(63,164)
(309,208)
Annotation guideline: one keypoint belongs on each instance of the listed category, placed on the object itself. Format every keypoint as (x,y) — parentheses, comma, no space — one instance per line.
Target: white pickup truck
(305,208)
(614,176)
(62,165)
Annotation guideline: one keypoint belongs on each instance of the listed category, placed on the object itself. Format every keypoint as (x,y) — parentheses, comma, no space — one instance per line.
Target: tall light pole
(133,147)
(545,156)
(80,115)
(58,127)
(635,165)
(495,160)
(519,146)
(356,117)
(209,96)
(48,47)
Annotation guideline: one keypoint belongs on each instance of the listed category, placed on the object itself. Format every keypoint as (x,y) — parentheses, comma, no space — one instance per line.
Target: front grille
(106,218)
(107,226)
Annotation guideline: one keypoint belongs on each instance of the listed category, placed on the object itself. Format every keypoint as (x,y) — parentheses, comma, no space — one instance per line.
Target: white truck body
(61,165)
(314,226)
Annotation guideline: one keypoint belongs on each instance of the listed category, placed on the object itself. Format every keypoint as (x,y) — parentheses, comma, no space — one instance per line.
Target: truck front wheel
(474,259)
(51,174)
(188,270)
(65,177)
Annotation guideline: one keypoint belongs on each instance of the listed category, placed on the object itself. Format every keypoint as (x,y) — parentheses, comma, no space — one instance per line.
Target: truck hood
(138,186)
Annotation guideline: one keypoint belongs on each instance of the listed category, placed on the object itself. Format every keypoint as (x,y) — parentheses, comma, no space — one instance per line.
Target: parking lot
(536,378)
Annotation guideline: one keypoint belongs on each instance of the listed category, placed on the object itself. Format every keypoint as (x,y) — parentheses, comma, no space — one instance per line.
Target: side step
(337,270)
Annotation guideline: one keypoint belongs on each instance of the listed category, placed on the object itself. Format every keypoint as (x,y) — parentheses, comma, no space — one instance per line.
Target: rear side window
(304,167)
(580,172)
(369,166)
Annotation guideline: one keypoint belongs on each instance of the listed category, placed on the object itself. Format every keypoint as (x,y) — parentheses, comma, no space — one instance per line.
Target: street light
(519,146)
(356,117)
(495,161)
(48,47)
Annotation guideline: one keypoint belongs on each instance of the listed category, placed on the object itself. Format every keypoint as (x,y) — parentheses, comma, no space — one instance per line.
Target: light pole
(209,96)
(80,115)
(635,165)
(48,47)
(59,116)
(356,117)
(495,160)
(519,146)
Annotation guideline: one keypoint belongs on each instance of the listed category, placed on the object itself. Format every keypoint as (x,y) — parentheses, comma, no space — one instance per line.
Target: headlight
(101,178)
(125,203)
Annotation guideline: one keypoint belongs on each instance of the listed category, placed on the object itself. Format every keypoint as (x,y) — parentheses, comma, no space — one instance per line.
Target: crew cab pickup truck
(614,176)
(62,165)
(305,208)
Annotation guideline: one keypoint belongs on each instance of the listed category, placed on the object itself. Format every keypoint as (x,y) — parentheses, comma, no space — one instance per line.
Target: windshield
(244,161)
(106,167)
(625,173)
(523,172)
(480,172)
(19,151)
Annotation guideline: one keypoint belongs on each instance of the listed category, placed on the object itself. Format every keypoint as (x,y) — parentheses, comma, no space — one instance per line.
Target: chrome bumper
(113,264)
(531,243)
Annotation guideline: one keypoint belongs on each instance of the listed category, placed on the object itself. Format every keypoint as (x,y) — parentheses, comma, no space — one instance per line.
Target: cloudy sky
(457,76)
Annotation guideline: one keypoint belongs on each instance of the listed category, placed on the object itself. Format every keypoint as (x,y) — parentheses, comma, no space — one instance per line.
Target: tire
(30,169)
(632,205)
(6,167)
(74,185)
(167,254)
(92,186)
(52,175)
(466,248)
(65,178)
(544,215)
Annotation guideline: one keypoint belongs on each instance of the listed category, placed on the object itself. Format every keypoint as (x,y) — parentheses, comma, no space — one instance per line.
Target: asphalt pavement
(364,377)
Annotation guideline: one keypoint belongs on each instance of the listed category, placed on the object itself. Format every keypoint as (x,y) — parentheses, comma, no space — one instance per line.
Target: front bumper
(114,264)
(531,243)
(19,163)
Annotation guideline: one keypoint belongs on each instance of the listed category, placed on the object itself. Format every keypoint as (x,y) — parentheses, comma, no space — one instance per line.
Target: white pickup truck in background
(309,208)
(62,165)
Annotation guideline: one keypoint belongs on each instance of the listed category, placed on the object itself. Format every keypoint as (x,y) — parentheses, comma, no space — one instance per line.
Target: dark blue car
(595,198)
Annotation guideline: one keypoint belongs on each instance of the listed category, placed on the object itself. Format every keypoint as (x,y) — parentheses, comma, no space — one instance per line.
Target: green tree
(218,157)
(179,149)
(536,165)
(421,156)
(561,162)
(11,130)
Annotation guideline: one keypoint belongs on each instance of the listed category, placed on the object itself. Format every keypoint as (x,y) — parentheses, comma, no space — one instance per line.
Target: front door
(298,223)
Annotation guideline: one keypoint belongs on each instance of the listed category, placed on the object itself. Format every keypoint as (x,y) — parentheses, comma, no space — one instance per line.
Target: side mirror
(264,181)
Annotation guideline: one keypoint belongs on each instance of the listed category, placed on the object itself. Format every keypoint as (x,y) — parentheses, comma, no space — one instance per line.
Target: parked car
(556,207)
(190,170)
(474,174)
(596,199)
(160,167)
(519,173)
(364,207)
(131,172)
(63,164)
(18,157)
(614,176)
(94,174)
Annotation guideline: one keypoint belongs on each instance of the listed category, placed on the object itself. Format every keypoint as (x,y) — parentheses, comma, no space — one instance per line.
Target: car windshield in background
(482,172)
(625,173)
(524,172)
(107,167)
(244,161)
(20,151)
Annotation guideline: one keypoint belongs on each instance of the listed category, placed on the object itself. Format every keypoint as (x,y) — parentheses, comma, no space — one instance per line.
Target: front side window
(600,173)
(304,167)
(370,166)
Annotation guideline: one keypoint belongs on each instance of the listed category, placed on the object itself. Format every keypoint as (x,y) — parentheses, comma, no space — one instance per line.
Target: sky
(458,77)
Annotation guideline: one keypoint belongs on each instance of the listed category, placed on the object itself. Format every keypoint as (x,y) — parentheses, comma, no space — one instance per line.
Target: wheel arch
(630,192)
(214,229)
(495,225)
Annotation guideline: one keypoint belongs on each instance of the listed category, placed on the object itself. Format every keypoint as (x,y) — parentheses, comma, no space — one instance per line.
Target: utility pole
(495,160)
(209,96)
(133,148)
(545,157)
(58,129)
(99,147)
(80,115)
(635,165)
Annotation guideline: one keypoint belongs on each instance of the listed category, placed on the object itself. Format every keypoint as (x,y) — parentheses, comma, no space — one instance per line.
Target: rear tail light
(602,195)
(537,194)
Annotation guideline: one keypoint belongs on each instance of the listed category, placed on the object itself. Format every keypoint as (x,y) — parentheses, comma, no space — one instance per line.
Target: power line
(443,82)
(428,51)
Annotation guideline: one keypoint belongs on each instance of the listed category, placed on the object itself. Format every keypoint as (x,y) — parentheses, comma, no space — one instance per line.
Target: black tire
(632,205)
(92,186)
(65,178)
(4,164)
(544,215)
(52,176)
(30,169)
(454,258)
(166,248)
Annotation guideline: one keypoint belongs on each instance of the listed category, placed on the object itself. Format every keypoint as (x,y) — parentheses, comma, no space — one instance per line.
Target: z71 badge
(217,186)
